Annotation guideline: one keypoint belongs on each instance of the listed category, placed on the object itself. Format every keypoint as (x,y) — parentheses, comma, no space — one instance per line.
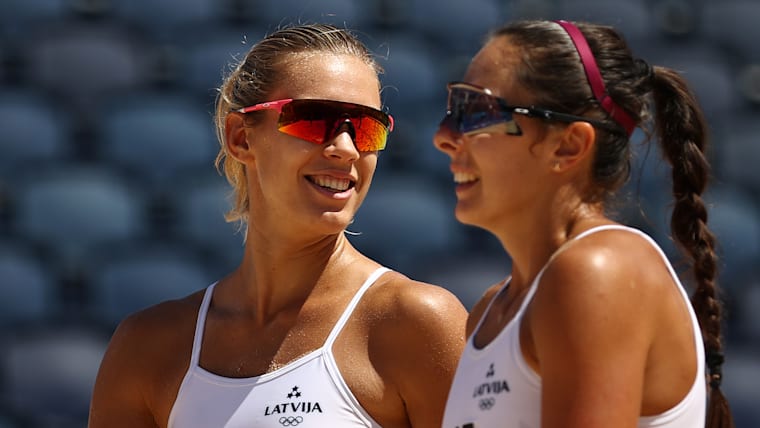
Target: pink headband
(595,78)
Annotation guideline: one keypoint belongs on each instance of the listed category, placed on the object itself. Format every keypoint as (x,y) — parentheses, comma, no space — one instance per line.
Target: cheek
(365,170)
(366,167)
(274,164)
(504,168)
(493,154)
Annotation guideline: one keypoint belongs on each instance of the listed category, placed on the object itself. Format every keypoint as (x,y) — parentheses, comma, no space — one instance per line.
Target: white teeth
(463,177)
(339,184)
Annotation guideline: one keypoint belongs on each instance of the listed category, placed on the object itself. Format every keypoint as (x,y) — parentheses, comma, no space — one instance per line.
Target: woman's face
(497,175)
(300,185)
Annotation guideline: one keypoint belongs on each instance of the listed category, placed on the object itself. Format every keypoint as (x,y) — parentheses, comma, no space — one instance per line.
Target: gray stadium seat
(27,288)
(34,129)
(734,217)
(737,151)
(162,20)
(126,282)
(71,210)
(632,18)
(733,24)
(154,135)
(84,61)
(342,13)
(454,27)
(741,377)
(205,56)
(17,15)
(49,374)
(199,208)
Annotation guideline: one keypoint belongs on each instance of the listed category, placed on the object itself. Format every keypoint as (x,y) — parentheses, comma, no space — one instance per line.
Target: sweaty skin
(397,352)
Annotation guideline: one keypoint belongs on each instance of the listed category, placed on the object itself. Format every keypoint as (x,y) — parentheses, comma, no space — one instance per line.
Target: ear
(235,138)
(576,145)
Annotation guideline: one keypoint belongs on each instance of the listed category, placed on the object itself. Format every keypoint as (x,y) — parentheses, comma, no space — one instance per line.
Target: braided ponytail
(552,72)
(682,133)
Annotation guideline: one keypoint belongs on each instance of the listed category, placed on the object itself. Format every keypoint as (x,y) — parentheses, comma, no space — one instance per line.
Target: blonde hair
(257,75)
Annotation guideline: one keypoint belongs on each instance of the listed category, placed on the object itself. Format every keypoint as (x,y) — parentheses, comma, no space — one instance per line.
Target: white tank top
(495,387)
(308,392)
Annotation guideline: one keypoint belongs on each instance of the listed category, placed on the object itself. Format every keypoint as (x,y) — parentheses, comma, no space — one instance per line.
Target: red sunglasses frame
(371,113)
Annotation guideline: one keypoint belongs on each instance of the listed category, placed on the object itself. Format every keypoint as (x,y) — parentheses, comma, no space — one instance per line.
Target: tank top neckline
(508,337)
(325,348)
(475,350)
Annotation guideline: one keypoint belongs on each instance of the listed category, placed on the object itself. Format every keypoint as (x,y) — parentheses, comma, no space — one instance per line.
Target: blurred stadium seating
(107,142)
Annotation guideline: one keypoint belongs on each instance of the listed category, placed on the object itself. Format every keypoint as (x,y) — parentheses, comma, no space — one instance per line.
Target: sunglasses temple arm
(269,105)
(562,117)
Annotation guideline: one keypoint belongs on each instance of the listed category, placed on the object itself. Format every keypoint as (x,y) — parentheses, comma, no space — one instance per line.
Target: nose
(447,140)
(341,145)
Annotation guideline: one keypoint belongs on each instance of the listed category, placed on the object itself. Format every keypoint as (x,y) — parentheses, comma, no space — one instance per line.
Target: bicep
(118,399)
(428,354)
(591,347)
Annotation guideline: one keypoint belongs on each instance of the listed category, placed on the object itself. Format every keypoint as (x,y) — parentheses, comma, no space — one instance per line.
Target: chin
(476,219)
(337,221)
(465,216)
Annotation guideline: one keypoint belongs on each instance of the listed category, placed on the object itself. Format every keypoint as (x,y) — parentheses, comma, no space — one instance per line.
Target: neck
(533,237)
(280,273)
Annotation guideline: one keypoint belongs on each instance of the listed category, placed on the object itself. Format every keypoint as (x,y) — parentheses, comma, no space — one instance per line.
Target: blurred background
(109,201)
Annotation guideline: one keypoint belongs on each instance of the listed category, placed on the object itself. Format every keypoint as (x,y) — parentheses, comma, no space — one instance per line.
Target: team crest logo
(487,391)
(294,393)
(293,410)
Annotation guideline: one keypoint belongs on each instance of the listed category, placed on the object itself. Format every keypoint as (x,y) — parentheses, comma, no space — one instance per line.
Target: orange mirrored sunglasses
(317,121)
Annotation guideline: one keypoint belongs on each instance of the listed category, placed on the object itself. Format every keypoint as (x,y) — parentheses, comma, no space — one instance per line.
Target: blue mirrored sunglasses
(472,109)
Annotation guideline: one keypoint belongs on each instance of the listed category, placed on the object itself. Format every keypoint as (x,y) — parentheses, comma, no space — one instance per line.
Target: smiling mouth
(331,183)
(462,178)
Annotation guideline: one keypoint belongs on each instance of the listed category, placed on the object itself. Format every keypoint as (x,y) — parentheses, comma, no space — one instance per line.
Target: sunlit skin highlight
(535,193)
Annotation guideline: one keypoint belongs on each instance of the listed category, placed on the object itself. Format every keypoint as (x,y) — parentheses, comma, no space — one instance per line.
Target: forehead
(330,76)
(494,67)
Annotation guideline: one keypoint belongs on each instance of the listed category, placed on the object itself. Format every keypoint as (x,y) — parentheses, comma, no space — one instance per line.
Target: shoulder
(413,316)
(158,320)
(143,364)
(405,299)
(610,279)
(416,335)
(603,260)
(602,305)
(148,340)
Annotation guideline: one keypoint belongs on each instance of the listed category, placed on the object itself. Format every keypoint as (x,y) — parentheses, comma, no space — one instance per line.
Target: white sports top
(308,392)
(495,387)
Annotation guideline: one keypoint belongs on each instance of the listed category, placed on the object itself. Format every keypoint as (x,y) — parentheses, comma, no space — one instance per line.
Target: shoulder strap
(537,279)
(200,325)
(352,304)
(490,303)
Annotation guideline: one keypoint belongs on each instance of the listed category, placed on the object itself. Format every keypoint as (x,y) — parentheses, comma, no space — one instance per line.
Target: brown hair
(257,75)
(551,69)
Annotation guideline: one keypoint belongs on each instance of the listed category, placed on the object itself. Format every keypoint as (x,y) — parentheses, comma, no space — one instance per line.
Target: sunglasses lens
(470,110)
(371,135)
(313,130)
(318,120)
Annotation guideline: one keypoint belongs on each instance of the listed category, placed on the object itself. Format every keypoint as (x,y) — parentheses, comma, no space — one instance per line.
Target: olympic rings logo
(290,421)
(487,403)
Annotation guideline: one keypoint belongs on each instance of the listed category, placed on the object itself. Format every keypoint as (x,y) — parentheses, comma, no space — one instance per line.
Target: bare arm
(429,339)
(118,398)
(592,329)
(143,366)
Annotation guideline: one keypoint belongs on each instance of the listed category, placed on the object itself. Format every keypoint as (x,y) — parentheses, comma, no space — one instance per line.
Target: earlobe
(576,144)
(235,138)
